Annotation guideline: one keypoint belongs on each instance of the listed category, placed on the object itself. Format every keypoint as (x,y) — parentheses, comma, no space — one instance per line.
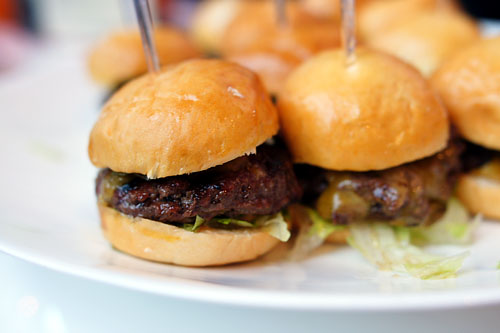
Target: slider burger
(228,26)
(213,19)
(188,176)
(469,84)
(371,140)
(248,32)
(120,56)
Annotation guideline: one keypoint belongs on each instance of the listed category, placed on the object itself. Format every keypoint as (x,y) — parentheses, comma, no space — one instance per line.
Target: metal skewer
(145,22)
(281,12)
(349,30)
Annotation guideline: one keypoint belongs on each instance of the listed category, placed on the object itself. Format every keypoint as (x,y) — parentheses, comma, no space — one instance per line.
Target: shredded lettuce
(320,227)
(313,230)
(454,227)
(228,221)
(437,267)
(395,248)
(389,248)
(275,226)
(197,224)
(498,265)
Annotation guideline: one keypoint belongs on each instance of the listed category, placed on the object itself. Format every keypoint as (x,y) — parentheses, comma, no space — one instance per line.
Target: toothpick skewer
(349,30)
(281,12)
(145,22)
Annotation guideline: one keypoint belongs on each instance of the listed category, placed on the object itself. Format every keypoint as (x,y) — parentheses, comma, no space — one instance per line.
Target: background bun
(120,56)
(187,118)
(255,26)
(253,21)
(275,53)
(329,9)
(272,66)
(374,114)
(162,242)
(480,195)
(376,17)
(429,39)
(469,84)
(210,22)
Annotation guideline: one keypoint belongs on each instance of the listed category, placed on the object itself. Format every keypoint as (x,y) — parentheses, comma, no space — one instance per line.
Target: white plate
(48,216)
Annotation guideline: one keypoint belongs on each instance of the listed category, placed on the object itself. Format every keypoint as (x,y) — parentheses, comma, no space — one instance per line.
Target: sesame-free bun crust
(187,118)
(374,114)
(481,195)
(429,39)
(469,84)
(120,56)
(165,243)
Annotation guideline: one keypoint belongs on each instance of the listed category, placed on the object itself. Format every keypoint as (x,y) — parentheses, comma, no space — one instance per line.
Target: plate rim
(266,299)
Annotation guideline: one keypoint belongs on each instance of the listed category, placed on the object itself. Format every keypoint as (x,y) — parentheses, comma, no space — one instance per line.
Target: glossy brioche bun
(429,39)
(165,243)
(210,21)
(272,66)
(187,118)
(120,56)
(376,17)
(469,84)
(373,114)
(481,195)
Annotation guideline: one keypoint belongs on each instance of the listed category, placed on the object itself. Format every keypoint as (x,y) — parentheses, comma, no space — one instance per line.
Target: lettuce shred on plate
(389,248)
(312,232)
(394,249)
(275,225)
(397,248)
(454,227)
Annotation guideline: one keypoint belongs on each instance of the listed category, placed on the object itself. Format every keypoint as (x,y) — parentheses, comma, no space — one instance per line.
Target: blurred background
(24,24)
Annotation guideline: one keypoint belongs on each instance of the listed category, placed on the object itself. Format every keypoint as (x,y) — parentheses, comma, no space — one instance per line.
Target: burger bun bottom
(166,243)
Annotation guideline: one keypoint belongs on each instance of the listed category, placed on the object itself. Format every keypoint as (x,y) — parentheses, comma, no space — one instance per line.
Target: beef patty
(411,194)
(257,184)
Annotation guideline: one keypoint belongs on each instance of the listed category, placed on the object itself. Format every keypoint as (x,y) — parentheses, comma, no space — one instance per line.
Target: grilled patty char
(257,184)
(411,194)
